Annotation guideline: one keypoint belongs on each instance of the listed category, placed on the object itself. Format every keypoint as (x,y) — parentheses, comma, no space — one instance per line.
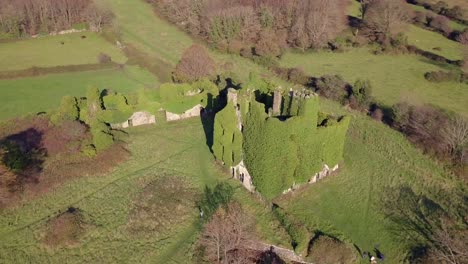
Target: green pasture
(169,149)
(434,42)
(35,94)
(347,205)
(49,51)
(394,77)
(141,28)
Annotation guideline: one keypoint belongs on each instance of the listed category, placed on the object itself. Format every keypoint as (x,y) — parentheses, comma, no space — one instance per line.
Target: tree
(462,37)
(384,18)
(450,244)
(226,236)
(362,92)
(195,64)
(456,136)
(440,23)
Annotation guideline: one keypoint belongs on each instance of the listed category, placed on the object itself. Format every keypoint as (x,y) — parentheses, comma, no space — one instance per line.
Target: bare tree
(383,18)
(195,64)
(227,235)
(456,136)
(450,246)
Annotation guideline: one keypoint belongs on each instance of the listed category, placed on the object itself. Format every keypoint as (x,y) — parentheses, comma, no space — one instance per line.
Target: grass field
(140,27)
(43,93)
(393,78)
(425,39)
(48,51)
(347,206)
(167,150)
(430,41)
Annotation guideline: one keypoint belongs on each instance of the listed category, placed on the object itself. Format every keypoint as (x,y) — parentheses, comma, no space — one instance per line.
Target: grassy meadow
(166,151)
(393,77)
(434,42)
(35,94)
(347,205)
(48,51)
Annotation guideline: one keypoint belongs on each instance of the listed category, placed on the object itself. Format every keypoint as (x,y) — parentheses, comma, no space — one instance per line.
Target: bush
(212,199)
(195,64)
(441,24)
(362,92)
(297,75)
(333,87)
(68,111)
(462,37)
(89,151)
(442,76)
(104,58)
(102,138)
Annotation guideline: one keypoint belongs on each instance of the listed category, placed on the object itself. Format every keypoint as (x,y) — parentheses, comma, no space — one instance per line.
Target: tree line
(30,17)
(264,27)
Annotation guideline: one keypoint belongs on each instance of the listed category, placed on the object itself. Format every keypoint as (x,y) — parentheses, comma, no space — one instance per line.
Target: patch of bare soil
(162,206)
(42,157)
(328,250)
(66,229)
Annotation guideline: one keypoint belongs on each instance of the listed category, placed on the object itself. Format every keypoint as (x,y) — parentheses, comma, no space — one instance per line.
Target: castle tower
(277,101)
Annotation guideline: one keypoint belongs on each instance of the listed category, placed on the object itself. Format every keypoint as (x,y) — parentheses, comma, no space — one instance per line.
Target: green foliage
(227,143)
(212,199)
(14,159)
(94,103)
(225,28)
(89,151)
(299,234)
(279,153)
(362,91)
(177,98)
(68,111)
(102,138)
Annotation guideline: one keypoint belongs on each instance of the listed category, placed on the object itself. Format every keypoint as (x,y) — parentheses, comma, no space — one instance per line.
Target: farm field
(48,51)
(35,94)
(394,78)
(172,153)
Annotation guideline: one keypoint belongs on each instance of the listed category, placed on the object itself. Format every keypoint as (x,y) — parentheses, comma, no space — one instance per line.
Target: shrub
(362,92)
(89,151)
(420,18)
(297,75)
(195,64)
(462,37)
(104,58)
(212,199)
(441,24)
(68,110)
(102,138)
(442,76)
(333,87)
(15,159)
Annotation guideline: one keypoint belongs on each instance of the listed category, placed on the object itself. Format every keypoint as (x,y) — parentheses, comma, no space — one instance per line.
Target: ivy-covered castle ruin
(275,147)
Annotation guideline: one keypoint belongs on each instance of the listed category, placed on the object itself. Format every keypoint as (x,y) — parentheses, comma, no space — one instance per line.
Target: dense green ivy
(280,151)
(227,143)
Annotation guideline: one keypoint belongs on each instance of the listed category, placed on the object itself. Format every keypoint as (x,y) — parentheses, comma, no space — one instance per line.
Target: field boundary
(38,71)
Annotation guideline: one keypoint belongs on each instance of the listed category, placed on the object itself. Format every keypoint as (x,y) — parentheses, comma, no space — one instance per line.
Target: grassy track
(394,78)
(36,94)
(48,51)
